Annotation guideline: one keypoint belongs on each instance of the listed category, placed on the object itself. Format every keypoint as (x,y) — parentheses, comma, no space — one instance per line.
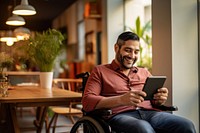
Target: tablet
(151,85)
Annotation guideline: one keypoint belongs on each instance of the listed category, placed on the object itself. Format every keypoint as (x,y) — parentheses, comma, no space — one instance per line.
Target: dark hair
(125,36)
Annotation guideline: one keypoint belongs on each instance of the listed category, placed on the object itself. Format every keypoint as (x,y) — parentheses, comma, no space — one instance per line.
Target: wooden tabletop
(39,95)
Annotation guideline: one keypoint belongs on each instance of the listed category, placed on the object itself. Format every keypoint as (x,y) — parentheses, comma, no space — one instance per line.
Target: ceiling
(46,10)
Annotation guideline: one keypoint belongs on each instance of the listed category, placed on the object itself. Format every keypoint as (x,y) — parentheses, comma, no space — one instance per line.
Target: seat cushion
(66,110)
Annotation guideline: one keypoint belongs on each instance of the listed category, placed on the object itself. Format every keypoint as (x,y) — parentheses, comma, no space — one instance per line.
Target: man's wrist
(156,103)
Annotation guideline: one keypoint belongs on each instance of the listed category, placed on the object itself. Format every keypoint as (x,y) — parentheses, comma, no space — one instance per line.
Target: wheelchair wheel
(87,125)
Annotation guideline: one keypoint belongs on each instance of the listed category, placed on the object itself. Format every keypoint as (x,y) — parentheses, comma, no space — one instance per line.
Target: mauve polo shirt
(107,80)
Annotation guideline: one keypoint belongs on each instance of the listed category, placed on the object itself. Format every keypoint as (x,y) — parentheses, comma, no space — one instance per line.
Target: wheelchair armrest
(99,112)
(107,112)
(166,108)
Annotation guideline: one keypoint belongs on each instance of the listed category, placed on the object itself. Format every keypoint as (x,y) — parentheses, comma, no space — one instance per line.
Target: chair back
(84,77)
(68,83)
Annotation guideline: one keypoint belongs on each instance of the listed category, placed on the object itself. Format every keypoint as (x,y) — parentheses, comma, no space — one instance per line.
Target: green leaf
(44,47)
(141,31)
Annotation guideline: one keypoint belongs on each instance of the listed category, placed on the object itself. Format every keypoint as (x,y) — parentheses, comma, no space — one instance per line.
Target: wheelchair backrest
(84,76)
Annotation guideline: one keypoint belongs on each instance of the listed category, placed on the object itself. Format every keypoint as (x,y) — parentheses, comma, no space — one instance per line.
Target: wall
(161,45)
(185,58)
(68,19)
(175,36)
(115,25)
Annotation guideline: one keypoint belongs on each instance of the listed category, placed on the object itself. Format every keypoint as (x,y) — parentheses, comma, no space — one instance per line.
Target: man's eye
(136,52)
(128,50)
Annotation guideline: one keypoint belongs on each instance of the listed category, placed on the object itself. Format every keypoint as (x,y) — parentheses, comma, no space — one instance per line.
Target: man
(118,86)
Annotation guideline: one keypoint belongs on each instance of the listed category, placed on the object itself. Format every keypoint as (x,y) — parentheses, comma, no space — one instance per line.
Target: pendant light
(15,20)
(22,33)
(9,38)
(24,9)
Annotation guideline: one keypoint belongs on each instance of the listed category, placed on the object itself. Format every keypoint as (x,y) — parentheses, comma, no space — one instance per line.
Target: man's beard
(122,59)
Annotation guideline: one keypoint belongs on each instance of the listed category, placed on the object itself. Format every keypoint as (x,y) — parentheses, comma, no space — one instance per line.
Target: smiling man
(118,86)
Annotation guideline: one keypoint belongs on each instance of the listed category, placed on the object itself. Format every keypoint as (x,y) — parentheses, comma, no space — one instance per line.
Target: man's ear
(116,48)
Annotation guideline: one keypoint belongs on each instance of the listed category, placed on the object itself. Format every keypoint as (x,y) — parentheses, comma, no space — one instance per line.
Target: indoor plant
(43,49)
(6,61)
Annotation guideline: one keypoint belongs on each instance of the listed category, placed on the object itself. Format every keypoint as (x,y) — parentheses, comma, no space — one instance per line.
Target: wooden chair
(68,83)
(74,109)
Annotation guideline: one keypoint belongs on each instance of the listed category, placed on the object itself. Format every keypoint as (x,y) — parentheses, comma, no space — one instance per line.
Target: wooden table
(35,97)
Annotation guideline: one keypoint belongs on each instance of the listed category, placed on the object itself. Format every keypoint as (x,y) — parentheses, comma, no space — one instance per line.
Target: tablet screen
(152,84)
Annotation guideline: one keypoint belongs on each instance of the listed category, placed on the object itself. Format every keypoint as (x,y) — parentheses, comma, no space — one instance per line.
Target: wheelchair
(94,122)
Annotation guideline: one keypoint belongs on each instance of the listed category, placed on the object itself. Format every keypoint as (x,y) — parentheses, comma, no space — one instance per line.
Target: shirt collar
(116,67)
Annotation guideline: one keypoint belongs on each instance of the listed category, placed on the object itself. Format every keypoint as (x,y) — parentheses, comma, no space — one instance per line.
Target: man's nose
(132,54)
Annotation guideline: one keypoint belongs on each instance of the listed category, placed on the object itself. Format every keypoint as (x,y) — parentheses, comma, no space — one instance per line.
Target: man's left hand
(161,96)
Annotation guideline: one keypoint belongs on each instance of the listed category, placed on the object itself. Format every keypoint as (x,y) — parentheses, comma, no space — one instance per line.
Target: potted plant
(6,62)
(43,49)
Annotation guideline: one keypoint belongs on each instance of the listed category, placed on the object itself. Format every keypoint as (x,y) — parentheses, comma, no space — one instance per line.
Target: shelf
(93,16)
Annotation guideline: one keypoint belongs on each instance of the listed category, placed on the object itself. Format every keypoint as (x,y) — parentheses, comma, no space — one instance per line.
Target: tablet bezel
(151,85)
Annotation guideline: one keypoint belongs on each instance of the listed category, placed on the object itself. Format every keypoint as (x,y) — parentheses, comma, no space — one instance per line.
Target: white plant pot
(46,80)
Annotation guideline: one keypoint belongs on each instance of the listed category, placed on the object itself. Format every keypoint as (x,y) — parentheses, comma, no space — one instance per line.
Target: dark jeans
(146,121)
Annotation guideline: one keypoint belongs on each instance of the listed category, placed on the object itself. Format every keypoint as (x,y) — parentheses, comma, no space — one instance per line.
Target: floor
(28,116)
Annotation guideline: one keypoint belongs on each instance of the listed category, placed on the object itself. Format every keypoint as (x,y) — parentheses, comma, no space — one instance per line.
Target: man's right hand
(133,97)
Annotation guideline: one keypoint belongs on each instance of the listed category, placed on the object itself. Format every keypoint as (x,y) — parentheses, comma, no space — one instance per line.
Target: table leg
(40,118)
(4,120)
(14,119)
(2,114)
(9,123)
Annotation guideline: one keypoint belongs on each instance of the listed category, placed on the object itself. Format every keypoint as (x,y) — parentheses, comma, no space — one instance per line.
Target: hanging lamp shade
(9,38)
(24,9)
(22,33)
(15,20)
